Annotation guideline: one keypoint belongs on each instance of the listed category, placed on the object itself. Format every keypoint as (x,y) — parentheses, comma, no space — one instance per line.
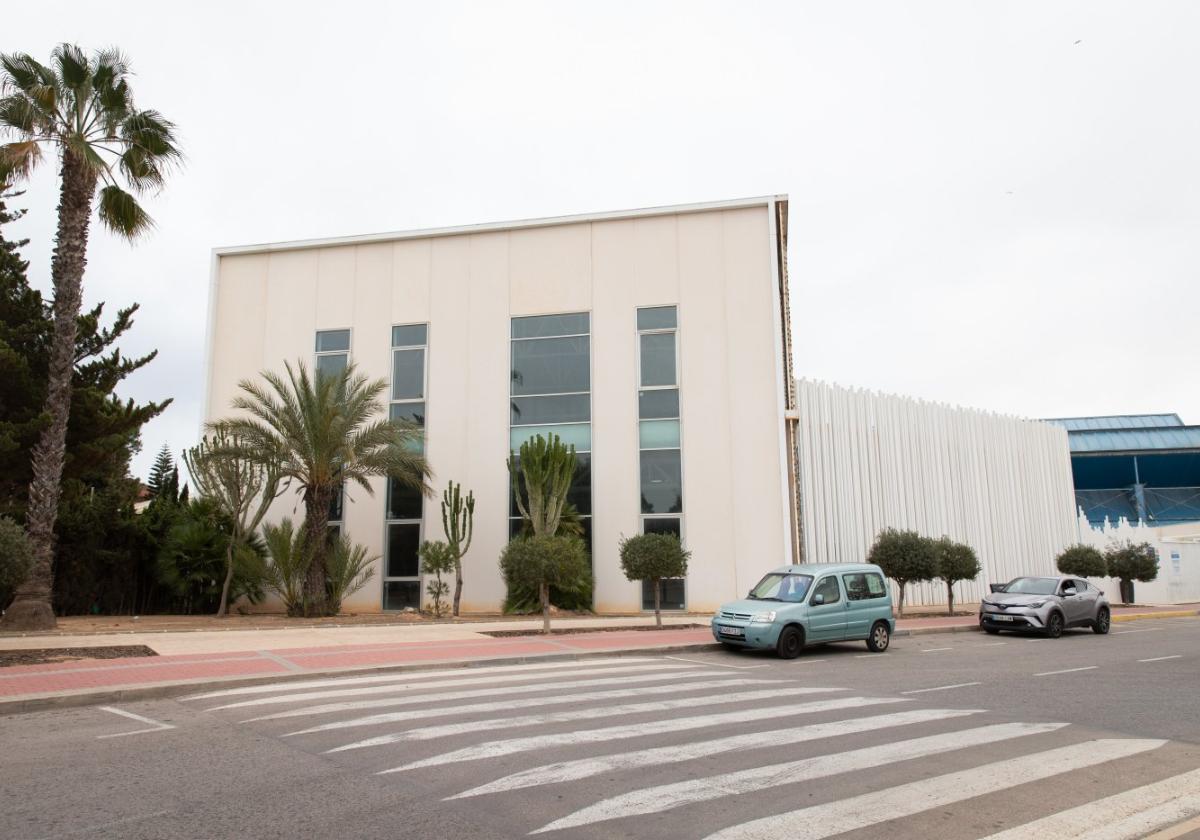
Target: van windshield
(778,586)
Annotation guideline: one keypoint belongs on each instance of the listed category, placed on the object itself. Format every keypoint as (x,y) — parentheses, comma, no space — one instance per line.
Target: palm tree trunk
(223,609)
(316,526)
(32,610)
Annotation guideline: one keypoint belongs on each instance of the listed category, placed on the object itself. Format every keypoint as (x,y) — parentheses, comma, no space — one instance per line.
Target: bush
(1083,561)
(955,561)
(543,562)
(191,563)
(904,556)
(653,557)
(1129,562)
(16,556)
(348,568)
(437,558)
(289,564)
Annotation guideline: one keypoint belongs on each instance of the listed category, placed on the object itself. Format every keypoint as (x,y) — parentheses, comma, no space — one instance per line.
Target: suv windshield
(778,586)
(1032,586)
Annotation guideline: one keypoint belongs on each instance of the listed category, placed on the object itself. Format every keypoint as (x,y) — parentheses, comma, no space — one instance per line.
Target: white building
(656,341)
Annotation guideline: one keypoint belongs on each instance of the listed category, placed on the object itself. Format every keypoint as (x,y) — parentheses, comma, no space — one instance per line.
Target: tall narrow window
(405,505)
(659,438)
(333,351)
(550,393)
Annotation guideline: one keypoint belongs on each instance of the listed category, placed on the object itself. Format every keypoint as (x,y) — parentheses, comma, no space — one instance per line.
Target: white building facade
(656,341)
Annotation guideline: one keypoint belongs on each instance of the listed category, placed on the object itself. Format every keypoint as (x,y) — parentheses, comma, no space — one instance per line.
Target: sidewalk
(203,657)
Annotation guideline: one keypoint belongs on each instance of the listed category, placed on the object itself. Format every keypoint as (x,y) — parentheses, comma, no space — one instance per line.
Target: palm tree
(324,433)
(83,108)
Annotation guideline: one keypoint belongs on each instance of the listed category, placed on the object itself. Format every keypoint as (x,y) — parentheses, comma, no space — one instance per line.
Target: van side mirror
(818,599)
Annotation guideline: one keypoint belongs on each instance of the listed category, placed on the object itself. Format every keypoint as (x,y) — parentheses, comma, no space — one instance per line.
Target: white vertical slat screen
(869,461)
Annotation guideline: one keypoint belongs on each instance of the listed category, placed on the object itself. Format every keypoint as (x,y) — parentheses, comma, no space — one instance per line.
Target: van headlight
(763,618)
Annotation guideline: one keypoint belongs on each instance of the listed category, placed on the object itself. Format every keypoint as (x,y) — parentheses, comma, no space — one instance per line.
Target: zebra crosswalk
(654,747)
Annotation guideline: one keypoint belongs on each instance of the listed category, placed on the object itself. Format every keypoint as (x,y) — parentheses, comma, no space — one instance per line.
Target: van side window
(829,588)
(862,586)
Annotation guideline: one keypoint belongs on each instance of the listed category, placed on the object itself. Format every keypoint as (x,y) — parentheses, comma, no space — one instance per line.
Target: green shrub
(289,564)
(955,561)
(1128,562)
(348,568)
(16,556)
(904,556)
(545,562)
(1082,560)
(191,563)
(652,557)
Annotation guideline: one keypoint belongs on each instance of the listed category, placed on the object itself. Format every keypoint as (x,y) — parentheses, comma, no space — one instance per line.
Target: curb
(90,697)
(1153,615)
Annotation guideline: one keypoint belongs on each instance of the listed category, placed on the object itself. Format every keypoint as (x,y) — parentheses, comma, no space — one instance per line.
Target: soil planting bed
(43,656)
(566,631)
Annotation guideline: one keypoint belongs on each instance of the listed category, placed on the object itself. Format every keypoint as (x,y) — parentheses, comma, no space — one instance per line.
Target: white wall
(1178,548)
(869,461)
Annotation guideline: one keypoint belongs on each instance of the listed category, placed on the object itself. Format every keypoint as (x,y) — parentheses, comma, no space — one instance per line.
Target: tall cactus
(458,521)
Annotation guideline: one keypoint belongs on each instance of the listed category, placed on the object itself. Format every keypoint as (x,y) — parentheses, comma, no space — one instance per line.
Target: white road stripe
(1143,630)
(939,688)
(155,725)
(1132,813)
(451,729)
(557,688)
(868,809)
(934,650)
(492,749)
(1162,658)
(533,702)
(664,797)
(401,688)
(718,664)
(416,676)
(583,768)
(1067,671)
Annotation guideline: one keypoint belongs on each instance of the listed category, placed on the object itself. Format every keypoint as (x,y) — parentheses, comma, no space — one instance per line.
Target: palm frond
(18,113)
(122,214)
(17,160)
(73,67)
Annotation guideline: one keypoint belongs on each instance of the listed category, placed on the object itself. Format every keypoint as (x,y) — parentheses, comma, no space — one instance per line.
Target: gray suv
(1045,604)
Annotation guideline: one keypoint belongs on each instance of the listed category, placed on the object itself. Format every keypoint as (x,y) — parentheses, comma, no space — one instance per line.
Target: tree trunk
(457,585)
(32,609)
(657,603)
(316,526)
(544,593)
(950,599)
(223,609)
(901,583)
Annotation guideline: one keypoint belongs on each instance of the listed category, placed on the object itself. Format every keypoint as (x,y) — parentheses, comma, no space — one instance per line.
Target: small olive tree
(904,556)
(1082,560)
(653,557)
(955,561)
(16,556)
(544,561)
(1130,561)
(437,559)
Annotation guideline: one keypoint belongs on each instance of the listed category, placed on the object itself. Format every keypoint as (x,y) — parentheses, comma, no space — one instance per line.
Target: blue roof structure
(1128,441)
(1118,421)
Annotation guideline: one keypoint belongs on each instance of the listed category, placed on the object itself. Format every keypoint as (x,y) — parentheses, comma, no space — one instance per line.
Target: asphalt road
(945,736)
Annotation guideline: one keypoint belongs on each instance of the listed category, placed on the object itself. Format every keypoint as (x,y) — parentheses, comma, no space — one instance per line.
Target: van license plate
(732,631)
(1002,618)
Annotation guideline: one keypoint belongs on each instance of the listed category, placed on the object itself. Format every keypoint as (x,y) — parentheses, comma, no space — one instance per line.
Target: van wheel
(1103,621)
(791,642)
(880,637)
(1054,627)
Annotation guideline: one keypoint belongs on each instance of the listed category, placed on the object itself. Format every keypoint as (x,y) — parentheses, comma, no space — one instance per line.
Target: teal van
(794,606)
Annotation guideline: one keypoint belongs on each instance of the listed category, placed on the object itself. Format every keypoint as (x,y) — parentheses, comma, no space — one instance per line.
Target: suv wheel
(880,636)
(991,631)
(1103,621)
(1054,626)
(791,642)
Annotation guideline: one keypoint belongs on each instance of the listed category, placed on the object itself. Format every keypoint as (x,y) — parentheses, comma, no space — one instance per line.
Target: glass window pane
(671,597)
(579,434)
(335,506)
(332,365)
(663,525)
(410,336)
(541,326)
(413,412)
(401,594)
(551,366)
(580,493)
(404,501)
(662,484)
(567,408)
(659,434)
(662,403)
(408,374)
(658,359)
(656,318)
(333,340)
(403,541)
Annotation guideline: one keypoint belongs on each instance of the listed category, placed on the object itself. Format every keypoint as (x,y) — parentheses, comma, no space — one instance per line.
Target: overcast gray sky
(992,204)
